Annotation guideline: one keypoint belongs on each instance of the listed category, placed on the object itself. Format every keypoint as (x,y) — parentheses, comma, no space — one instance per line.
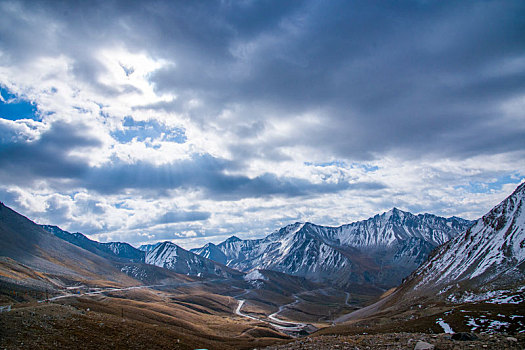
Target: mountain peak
(398,211)
(520,190)
(315,252)
(394,212)
(168,244)
(233,239)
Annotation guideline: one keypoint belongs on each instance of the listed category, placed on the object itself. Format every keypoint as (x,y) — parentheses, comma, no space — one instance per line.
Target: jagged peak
(457,218)
(505,207)
(297,226)
(166,244)
(520,190)
(486,249)
(289,227)
(232,239)
(394,212)
(51,226)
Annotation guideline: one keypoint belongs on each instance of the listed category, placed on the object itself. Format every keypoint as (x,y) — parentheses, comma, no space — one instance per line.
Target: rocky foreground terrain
(417,341)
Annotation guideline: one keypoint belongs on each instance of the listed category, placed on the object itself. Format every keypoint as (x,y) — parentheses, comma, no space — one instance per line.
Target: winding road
(277,323)
(347,298)
(238,311)
(101,291)
(96,292)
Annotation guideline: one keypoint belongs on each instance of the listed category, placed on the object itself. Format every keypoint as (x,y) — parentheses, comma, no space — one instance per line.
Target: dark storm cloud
(49,158)
(182,216)
(408,76)
(209,174)
(173,217)
(23,160)
(416,78)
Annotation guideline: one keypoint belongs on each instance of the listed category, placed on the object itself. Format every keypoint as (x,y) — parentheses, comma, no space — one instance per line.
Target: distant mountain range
(432,261)
(373,254)
(114,250)
(170,256)
(166,255)
(380,251)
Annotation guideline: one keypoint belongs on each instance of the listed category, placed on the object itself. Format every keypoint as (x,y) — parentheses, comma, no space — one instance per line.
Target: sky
(191,121)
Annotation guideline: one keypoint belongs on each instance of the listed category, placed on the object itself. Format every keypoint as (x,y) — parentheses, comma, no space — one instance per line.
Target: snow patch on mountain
(382,249)
(255,275)
(170,256)
(149,247)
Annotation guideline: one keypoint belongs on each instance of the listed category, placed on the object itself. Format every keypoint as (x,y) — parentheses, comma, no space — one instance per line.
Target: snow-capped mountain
(233,252)
(165,254)
(119,251)
(397,226)
(170,256)
(381,250)
(149,247)
(211,251)
(489,254)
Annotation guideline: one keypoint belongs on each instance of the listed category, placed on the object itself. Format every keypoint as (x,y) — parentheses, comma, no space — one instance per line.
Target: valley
(262,175)
(59,289)
(199,313)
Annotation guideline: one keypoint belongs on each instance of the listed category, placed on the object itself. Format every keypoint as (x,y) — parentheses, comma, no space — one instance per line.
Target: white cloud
(290,117)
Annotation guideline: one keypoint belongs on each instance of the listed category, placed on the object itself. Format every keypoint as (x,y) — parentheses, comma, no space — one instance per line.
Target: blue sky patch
(366,167)
(337,163)
(342,164)
(143,130)
(487,187)
(12,107)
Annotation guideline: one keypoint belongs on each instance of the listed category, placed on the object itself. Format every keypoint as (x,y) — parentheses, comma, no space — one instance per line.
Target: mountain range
(447,273)
(166,255)
(379,252)
(482,269)
(373,254)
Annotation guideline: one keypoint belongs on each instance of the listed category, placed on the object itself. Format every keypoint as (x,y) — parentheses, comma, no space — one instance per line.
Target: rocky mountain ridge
(164,254)
(489,255)
(114,250)
(379,251)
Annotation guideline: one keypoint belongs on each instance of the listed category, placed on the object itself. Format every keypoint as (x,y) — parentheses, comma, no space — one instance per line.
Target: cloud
(209,174)
(171,217)
(383,78)
(48,156)
(236,117)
